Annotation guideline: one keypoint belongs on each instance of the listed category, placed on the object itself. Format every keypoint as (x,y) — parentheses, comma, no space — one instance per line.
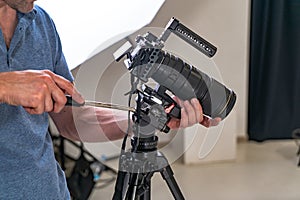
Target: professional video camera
(148,60)
(155,107)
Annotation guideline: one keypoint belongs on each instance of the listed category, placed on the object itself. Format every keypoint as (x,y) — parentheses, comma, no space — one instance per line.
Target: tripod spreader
(136,171)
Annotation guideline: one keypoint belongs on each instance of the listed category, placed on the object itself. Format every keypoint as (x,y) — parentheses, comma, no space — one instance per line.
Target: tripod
(138,165)
(136,170)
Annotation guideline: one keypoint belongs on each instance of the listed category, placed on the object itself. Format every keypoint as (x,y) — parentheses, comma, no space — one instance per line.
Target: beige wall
(225,23)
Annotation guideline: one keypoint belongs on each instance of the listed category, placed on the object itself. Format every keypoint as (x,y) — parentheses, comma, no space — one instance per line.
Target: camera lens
(186,82)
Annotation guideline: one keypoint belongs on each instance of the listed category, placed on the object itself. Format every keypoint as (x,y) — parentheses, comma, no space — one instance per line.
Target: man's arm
(43,91)
(91,124)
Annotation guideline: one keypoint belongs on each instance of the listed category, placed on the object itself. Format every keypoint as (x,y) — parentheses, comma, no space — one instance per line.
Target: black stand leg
(167,175)
(137,186)
(121,185)
(144,190)
(62,153)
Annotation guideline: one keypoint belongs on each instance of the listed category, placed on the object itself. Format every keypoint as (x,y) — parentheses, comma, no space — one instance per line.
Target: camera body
(149,60)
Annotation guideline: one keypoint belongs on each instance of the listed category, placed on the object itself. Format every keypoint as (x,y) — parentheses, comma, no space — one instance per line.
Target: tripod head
(154,108)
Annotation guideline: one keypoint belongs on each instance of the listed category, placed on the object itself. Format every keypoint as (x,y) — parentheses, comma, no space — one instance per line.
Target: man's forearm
(89,124)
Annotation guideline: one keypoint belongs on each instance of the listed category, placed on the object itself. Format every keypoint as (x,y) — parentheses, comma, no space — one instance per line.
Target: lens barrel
(186,81)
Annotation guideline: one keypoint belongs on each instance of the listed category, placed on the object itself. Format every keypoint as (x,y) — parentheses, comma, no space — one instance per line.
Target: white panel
(85,25)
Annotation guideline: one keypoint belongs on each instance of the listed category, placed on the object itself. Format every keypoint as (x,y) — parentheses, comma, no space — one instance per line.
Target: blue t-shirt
(28,169)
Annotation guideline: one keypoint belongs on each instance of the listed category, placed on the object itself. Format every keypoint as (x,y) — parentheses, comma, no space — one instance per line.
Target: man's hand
(37,91)
(191,113)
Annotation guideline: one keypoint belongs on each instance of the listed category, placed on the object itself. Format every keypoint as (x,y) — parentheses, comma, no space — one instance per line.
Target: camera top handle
(189,36)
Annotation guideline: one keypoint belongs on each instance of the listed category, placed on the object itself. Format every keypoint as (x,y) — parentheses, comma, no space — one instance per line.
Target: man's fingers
(37,91)
(184,118)
(208,122)
(215,121)
(198,110)
(205,122)
(66,86)
(59,87)
(191,114)
(178,101)
(54,97)
(48,103)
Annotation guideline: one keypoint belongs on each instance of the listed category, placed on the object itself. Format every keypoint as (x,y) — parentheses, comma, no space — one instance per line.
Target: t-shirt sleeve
(61,67)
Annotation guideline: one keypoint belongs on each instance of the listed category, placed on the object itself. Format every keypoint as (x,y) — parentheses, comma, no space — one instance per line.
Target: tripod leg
(147,193)
(131,186)
(140,186)
(62,153)
(144,190)
(121,185)
(167,175)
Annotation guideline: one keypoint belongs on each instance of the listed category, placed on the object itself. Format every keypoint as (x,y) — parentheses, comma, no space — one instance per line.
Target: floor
(261,171)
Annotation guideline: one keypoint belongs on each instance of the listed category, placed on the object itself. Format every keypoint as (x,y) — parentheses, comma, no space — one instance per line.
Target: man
(34,79)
